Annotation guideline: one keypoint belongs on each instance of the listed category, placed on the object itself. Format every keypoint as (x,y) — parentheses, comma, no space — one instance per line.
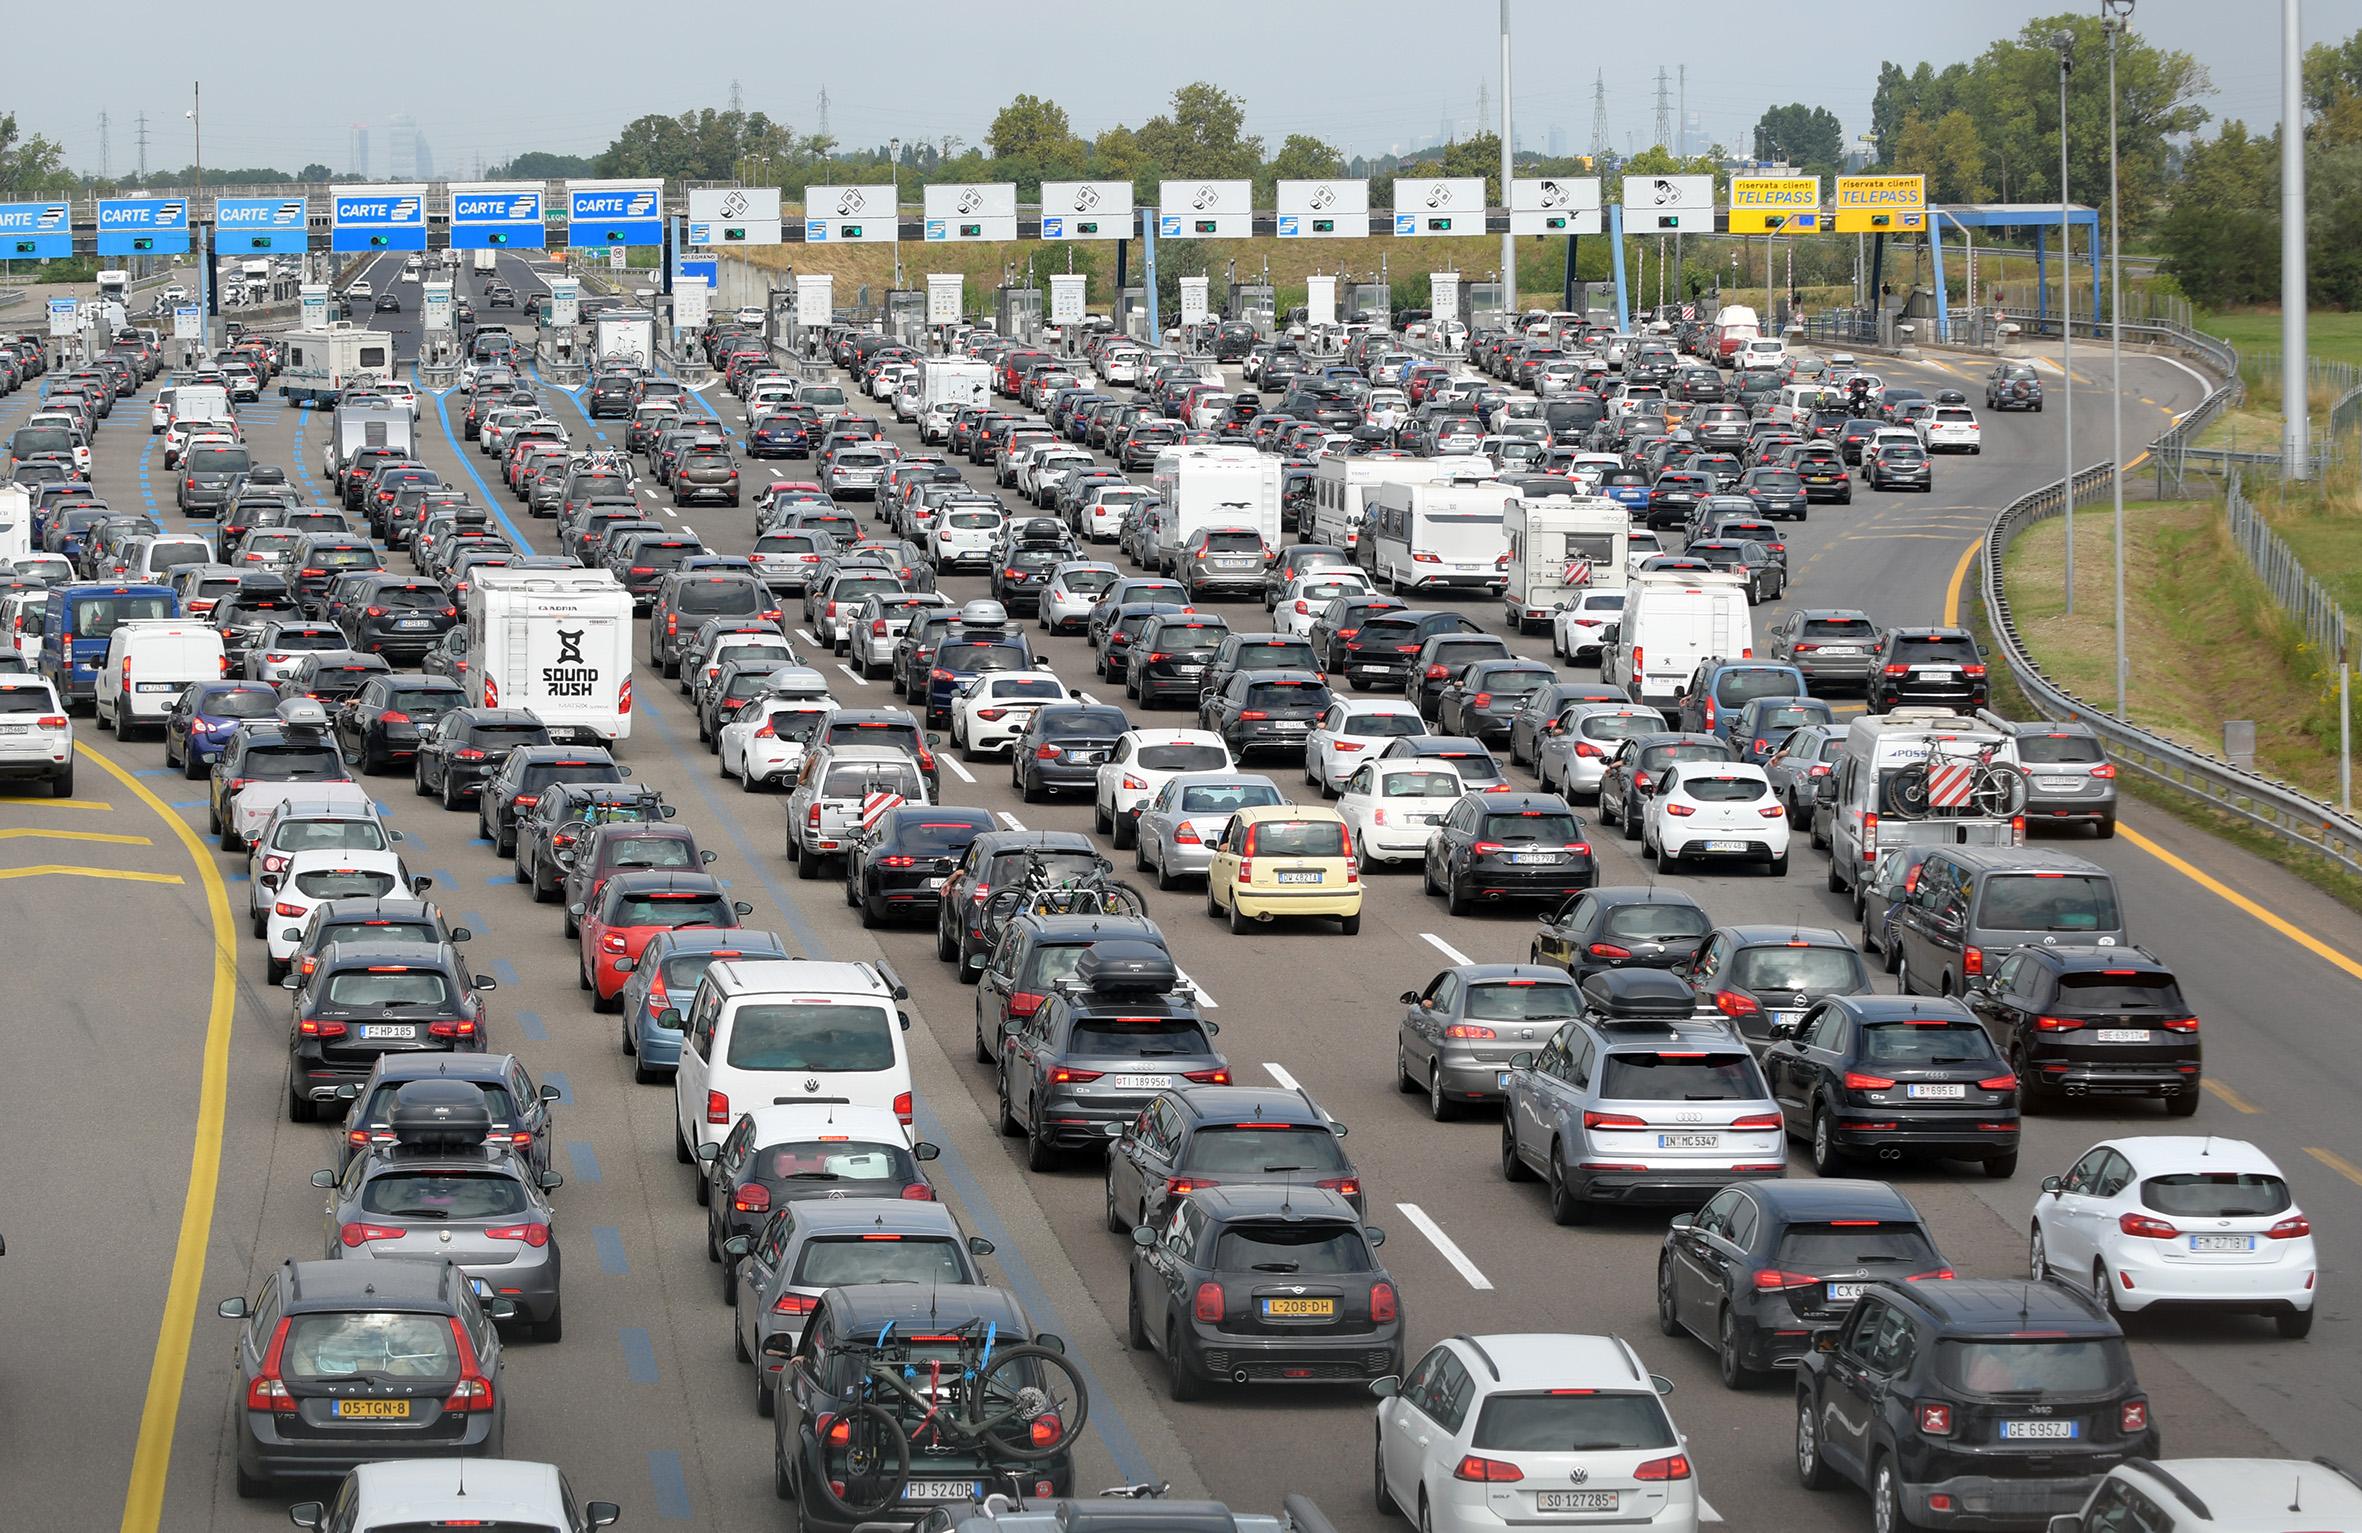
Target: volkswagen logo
(811,1083)
(1577,1476)
(444,1236)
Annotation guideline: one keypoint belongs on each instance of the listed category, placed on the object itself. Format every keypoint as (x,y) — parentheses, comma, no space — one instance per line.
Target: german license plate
(2040,1431)
(371,1410)
(1726,846)
(1312,877)
(1689,1141)
(1841,649)
(1790,1017)
(941,1490)
(2124,1035)
(2222,1242)
(1140,1082)
(1951,1092)
(390,1032)
(1533,857)
(1575,1501)
(1299,1309)
(2058,784)
(1844,1292)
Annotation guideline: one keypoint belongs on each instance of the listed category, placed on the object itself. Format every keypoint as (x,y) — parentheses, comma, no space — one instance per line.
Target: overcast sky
(285,86)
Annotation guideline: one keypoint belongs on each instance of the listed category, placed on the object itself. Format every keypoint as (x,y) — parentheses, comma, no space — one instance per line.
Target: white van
(1672,620)
(1863,822)
(150,662)
(769,1031)
(201,402)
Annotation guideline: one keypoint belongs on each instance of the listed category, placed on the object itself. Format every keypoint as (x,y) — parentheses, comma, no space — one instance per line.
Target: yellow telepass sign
(1776,205)
(1881,204)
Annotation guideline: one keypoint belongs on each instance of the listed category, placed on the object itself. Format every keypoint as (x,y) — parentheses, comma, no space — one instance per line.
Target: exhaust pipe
(1238,1375)
(1890,1153)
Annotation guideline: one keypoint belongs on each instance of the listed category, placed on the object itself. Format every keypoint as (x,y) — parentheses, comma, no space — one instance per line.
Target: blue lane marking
(583,1159)
(504,971)
(609,1241)
(473,920)
(565,1087)
(188,803)
(490,501)
(157,772)
(494,880)
(670,1485)
(235,878)
(444,880)
(530,1024)
(480,841)
(639,1355)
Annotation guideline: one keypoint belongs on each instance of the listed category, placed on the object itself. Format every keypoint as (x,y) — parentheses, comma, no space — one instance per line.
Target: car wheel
(1009,1126)
(1439,1107)
(1565,1207)
(2001,1167)
(1811,1472)
(300,1108)
(1887,1514)
(2295,1324)
(1238,922)
(1728,1360)
(2037,1255)
(1513,1166)
(1125,832)
(1828,1160)
(1668,1313)
(1180,1383)
(1040,1154)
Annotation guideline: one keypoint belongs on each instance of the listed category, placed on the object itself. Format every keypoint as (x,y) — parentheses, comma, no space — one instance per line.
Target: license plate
(1090,758)
(1533,857)
(1291,724)
(1845,1291)
(1726,846)
(1689,1141)
(1140,1082)
(1940,673)
(1575,1501)
(941,1490)
(937,883)
(1501,1079)
(2040,1431)
(158,686)
(2124,1035)
(371,1410)
(413,624)
(2222,1242)
(1936,1093)
(1299,878)
(1299,1309)
(1790,1017)
(391,1032)
(1841,649)
(2059,784)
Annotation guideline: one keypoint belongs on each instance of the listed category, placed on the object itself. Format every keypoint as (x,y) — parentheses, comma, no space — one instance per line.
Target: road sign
(707,270)
(1221,210)
(434,305)
(312,301)
(36,231)
(188,322)
(1087,210)
(1425,206)
(252,225)
(64,318)
(618,258)
(1443,294)
(1554,205)
(614,213)
(692,303)
(565,302)
(734,215)
(492,215)
(1324,210)
(1193,301)
(1775,205)
(1880,204)
(946,291)
(815,298)
(850,215)
(967,212)
(143,226)
(1320,299)
(1067,296)
(365,218)
(1668,204)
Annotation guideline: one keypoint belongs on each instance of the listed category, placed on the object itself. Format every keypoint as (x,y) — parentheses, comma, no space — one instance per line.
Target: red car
(631,908)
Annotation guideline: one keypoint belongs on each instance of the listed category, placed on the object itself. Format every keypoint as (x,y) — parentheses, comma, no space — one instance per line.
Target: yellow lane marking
(63,870)
(151,1459)
(57,803)
(2215,886)
(30,834)
(2230,1098)
(2338,1163)
(1968,556)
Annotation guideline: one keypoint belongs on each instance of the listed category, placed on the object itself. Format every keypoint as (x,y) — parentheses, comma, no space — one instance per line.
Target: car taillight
(2142,1227)
(614,942)
(535,1235)
(1485,1470)
(2290,1228)
(1972,960)
(717,1107)
(902,1107)
(1935,1418)
(1855,1080)
(1756,1121)
(266,1391)
(2180,1024)
(463,1027)
(361,1234)
(1207,1305)
(1771,1280)
(1998,1083)
(474,1391)
(1208,1077)
(2133,1416)
(1060,1075)
(2106,769)
(753,1198)
(1182,1186)
(1612,1120)
(1680,811)
(1384,1306)
(795,1304)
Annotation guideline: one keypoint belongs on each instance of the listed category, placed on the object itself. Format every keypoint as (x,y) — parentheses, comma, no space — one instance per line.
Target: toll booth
(1369,303)
(1131,310)
(906,313)
(1017,312)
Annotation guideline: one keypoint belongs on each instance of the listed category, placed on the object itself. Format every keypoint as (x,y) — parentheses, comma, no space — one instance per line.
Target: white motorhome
(1341,488)
(557,642)
(369,425)
(1865,819)
(1450,533)
(16,522)
(1672,620)
(484,262)
(322,363)
(1222,486)
(948,385)
(624,335)
(1556,537)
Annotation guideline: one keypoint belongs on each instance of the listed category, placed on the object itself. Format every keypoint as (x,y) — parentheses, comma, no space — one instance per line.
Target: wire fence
(2306,601)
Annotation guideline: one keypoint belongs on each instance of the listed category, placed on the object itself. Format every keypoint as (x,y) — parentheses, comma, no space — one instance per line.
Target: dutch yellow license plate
(373,1410)
(1300,1309)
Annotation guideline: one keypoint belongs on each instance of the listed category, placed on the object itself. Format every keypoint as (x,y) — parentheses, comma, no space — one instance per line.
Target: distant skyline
(1351,72)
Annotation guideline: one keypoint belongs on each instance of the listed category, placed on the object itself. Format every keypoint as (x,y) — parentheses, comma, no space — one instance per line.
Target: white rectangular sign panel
(1320,300)
(734,215)
(1425,206)
(1668,204)
(565,302)
(1443,294)
(188,323)
(1087,210)
(434,305)
(1193,300)
(850,215)
(815,298)
(946,293)
(1067,298)
(1223,210)
(1554,205)
(957,213)
(63,317)
(1324,210)
(692,303)
(312,300)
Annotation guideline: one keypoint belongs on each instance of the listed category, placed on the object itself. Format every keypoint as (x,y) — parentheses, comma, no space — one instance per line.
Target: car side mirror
(391,835)
(266,880)
(1661,1384)
(1410,997)
(737,1245)
(742,907)
(323,1179)
(706,858)
(551,1181)
(289,983)
(461,934)
(779,1345)
(2053,1186)
(311,1514)
(934,738)
(484,982)
(501,1309)
(1683,1221)
(232,1309)
(623,771)
(578,910)
(1384,1388)
(1825,1339)
(669,810)
(669,1017)
(1521,1061)
(1143,1236)
(709,1152)
(421,885)
(925,1151)
(2066,1522)
(1373,1234)
(601,1514)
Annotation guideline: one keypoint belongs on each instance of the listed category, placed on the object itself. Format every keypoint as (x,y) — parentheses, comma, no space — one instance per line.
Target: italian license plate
(941,1490)
(2040,1431)
(1844,1292)
(1689,1141)
(2124,1035)
(1299,1309)
(1952,1092)
(1575,1501)
(1310,877)
(390,1032)
(2222,1242)
(1533,857)
(1140,1082)
(1726,846)
(371,1410)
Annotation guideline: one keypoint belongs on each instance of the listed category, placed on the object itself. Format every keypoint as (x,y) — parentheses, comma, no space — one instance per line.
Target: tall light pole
(199,242)
(2295,402)
(894,175)
(2065,43)
(2116,15)
(1508,169)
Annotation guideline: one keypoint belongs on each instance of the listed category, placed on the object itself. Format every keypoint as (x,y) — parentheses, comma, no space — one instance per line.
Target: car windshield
(219,460)
(1574,1421)
(1934,649)
(721,594)
(2052,902)
(242,703)
(1162,1039)
(853,1261)
(834,1160)
(1264,1148)
(1682,1075)
(1184,756)
(672,908)
(2059,750)
(811,1035)
(1842,1245)
(444,1195)
(2034,1368)
(1529,826)
(1522,1000)
(2216,1194)
(388,986)
(355,1343)
(1723,790)
(343,883)
(1827,970)
(2120,990)
(1620,726)
(1324,1250)
(650,852)
(316,835)
(97,617)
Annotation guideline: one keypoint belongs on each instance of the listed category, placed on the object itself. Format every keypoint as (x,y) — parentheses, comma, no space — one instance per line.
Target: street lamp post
(204,255)
(2117,15)
(1508,169)
(894,175)
(2065,43)
(2295,399)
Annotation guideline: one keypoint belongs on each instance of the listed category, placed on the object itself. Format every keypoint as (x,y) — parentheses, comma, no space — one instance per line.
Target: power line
(1602,142)
(105,172)
(737,101)
(1664,112)
(143,146)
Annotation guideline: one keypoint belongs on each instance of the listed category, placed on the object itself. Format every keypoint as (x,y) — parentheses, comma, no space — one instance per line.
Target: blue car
(201,723)
(80,620)
(960,659)
(1764,725)
(665,975)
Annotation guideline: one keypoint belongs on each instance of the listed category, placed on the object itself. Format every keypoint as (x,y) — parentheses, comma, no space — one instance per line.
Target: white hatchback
(1394,806)
(989,715)
(1715,811)
(36,736)
(1578,628)
(1142,761)
(1305,598)
(1353,730)
(2174,1220)
(332,873)
(765,741)
(1954,428)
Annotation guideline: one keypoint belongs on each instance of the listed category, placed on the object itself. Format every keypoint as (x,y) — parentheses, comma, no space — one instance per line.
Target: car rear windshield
(2049,902)
(822,1162)
(1522,1000)
(1261,1149)
(1184,756)
(1724,790)
(1163,1039)
(1566,1423)
(1733,689)
(1059,866)
(1420,784)
(971,519)
(1550,827)
(1840,630)
(241,704)
(1844,1245)
(1927,1042)
(1229,798)
(672,908)
(294,763)
(219,460)
(2060,750)
(851,1261)
(1296,838)
(410,598)
(2035,1367)
(1681,1075)
(497,738)
(721,594)
(1321,1250)
(1934,649)
(849,779)
(384,986)
(165,555)
(444,1195)
(811,1035)
(320,835)
(350,1343)
(1233,540)
(97,617)
(1285,694)
(968,655)
(1620,726)
(544,774)
(344,883)
(2215,1194)
(2120,990)
(1823,970)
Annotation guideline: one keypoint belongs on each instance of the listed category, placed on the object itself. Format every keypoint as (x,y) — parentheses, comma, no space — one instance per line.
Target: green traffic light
(732,232)
(496,238)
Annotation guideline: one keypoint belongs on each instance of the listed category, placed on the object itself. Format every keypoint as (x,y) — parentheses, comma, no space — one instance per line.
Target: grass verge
(2335,336)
